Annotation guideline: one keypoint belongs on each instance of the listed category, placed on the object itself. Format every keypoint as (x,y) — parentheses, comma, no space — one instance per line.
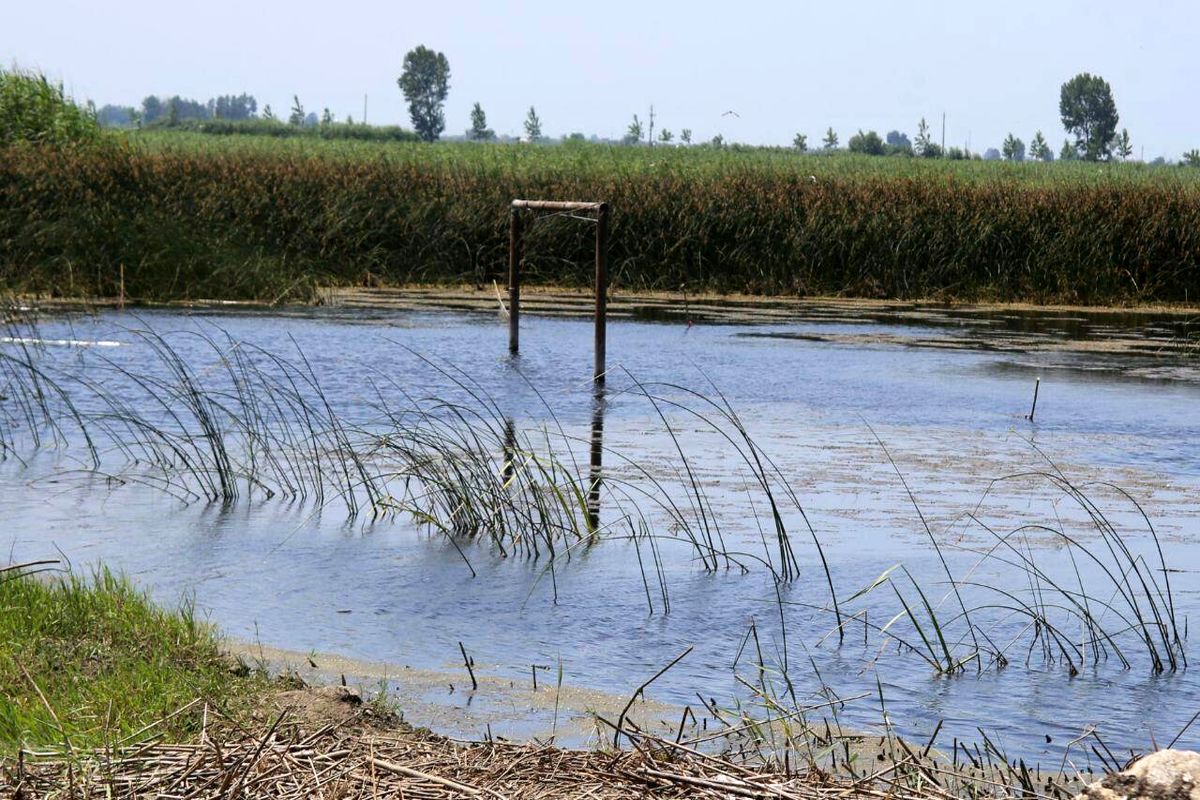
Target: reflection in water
(510,449)
(595,477)
(595,462)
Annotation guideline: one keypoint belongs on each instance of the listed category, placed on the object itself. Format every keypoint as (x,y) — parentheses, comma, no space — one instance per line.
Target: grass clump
(32,109)
(90,662)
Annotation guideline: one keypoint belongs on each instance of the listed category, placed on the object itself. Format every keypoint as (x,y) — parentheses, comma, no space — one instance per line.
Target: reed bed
(179,216)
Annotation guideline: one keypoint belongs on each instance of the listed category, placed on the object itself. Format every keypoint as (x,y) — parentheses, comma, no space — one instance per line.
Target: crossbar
(555,205)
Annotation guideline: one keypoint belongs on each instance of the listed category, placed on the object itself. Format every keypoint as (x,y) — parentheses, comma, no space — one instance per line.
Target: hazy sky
(992,67)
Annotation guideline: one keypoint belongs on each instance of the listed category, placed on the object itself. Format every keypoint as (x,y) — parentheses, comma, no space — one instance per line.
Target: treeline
(237,115)
(176,109)
(280,130)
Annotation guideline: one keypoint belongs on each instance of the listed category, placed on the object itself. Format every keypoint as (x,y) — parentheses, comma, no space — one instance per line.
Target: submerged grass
(212,419)
(88,663)
(193,216)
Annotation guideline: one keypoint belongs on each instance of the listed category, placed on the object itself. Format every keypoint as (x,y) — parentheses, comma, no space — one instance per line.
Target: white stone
(1165,775)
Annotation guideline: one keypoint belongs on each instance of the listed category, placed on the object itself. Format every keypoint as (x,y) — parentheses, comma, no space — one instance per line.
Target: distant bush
(867,143)
(32,109)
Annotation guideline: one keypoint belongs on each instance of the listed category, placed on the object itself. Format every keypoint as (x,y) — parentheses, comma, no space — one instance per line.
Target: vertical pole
(601,291)
(514,280)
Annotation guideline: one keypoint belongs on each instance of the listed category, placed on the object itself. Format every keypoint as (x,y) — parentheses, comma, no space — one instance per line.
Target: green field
(189,215)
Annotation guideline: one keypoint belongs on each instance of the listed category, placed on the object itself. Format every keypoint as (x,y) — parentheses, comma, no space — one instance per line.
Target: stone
(1165,775)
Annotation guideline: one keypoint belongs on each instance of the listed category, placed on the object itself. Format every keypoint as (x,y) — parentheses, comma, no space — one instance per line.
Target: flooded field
(826,503)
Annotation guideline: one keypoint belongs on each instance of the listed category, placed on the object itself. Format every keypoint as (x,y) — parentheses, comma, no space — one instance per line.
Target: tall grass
(33,109)
(193,216)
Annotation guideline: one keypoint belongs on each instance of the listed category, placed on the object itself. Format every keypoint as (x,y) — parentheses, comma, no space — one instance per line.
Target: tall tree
(924,140)
(800,142)
(1192,158)
(152,109)
(1124,145)
(1089,112)
(665,136)
(297,115)
(1068,152)
(425,82)
(633,134)
(1013,148)
(533,125)
(1039,149)
(480,132)
(830,141)
(686,136)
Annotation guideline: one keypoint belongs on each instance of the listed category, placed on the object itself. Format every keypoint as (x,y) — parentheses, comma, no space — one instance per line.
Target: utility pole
(650,137)
(943,133)
(364,108)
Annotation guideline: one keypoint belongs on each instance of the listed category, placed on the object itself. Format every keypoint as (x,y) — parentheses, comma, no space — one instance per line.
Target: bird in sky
(732,113)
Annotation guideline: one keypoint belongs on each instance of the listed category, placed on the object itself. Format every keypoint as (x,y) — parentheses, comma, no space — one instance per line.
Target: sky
(784,67)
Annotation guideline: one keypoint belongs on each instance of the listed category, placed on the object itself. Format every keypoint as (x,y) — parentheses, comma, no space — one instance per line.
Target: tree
(924,141)
(633,134)
(1088,111)
(830,141)
(1124,146)
(898,144)
(297,115)
(867,143)
(152,109)
(268,113)
(800,142)
(718,141)
(1192,158)
(1013,149)
(685,136)
(228,106)
(326,117)
(533,125)
(480,132)
(111,116)
(425,82)
(991,154)
(665,136)
(1068,152)
(1038,148)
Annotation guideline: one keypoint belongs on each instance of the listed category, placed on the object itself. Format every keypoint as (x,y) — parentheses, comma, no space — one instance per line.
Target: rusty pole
(601,291)
(514,280)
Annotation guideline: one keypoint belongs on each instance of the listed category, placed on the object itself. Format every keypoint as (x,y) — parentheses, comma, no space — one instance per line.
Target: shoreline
(545,298)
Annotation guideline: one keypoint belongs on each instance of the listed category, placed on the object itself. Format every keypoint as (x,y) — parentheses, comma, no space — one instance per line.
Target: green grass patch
(88,663)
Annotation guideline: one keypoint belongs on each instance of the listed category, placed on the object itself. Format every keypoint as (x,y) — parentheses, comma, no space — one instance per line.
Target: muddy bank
(497,707)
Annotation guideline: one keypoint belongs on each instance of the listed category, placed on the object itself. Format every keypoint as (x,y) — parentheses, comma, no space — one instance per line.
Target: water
(821,396)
